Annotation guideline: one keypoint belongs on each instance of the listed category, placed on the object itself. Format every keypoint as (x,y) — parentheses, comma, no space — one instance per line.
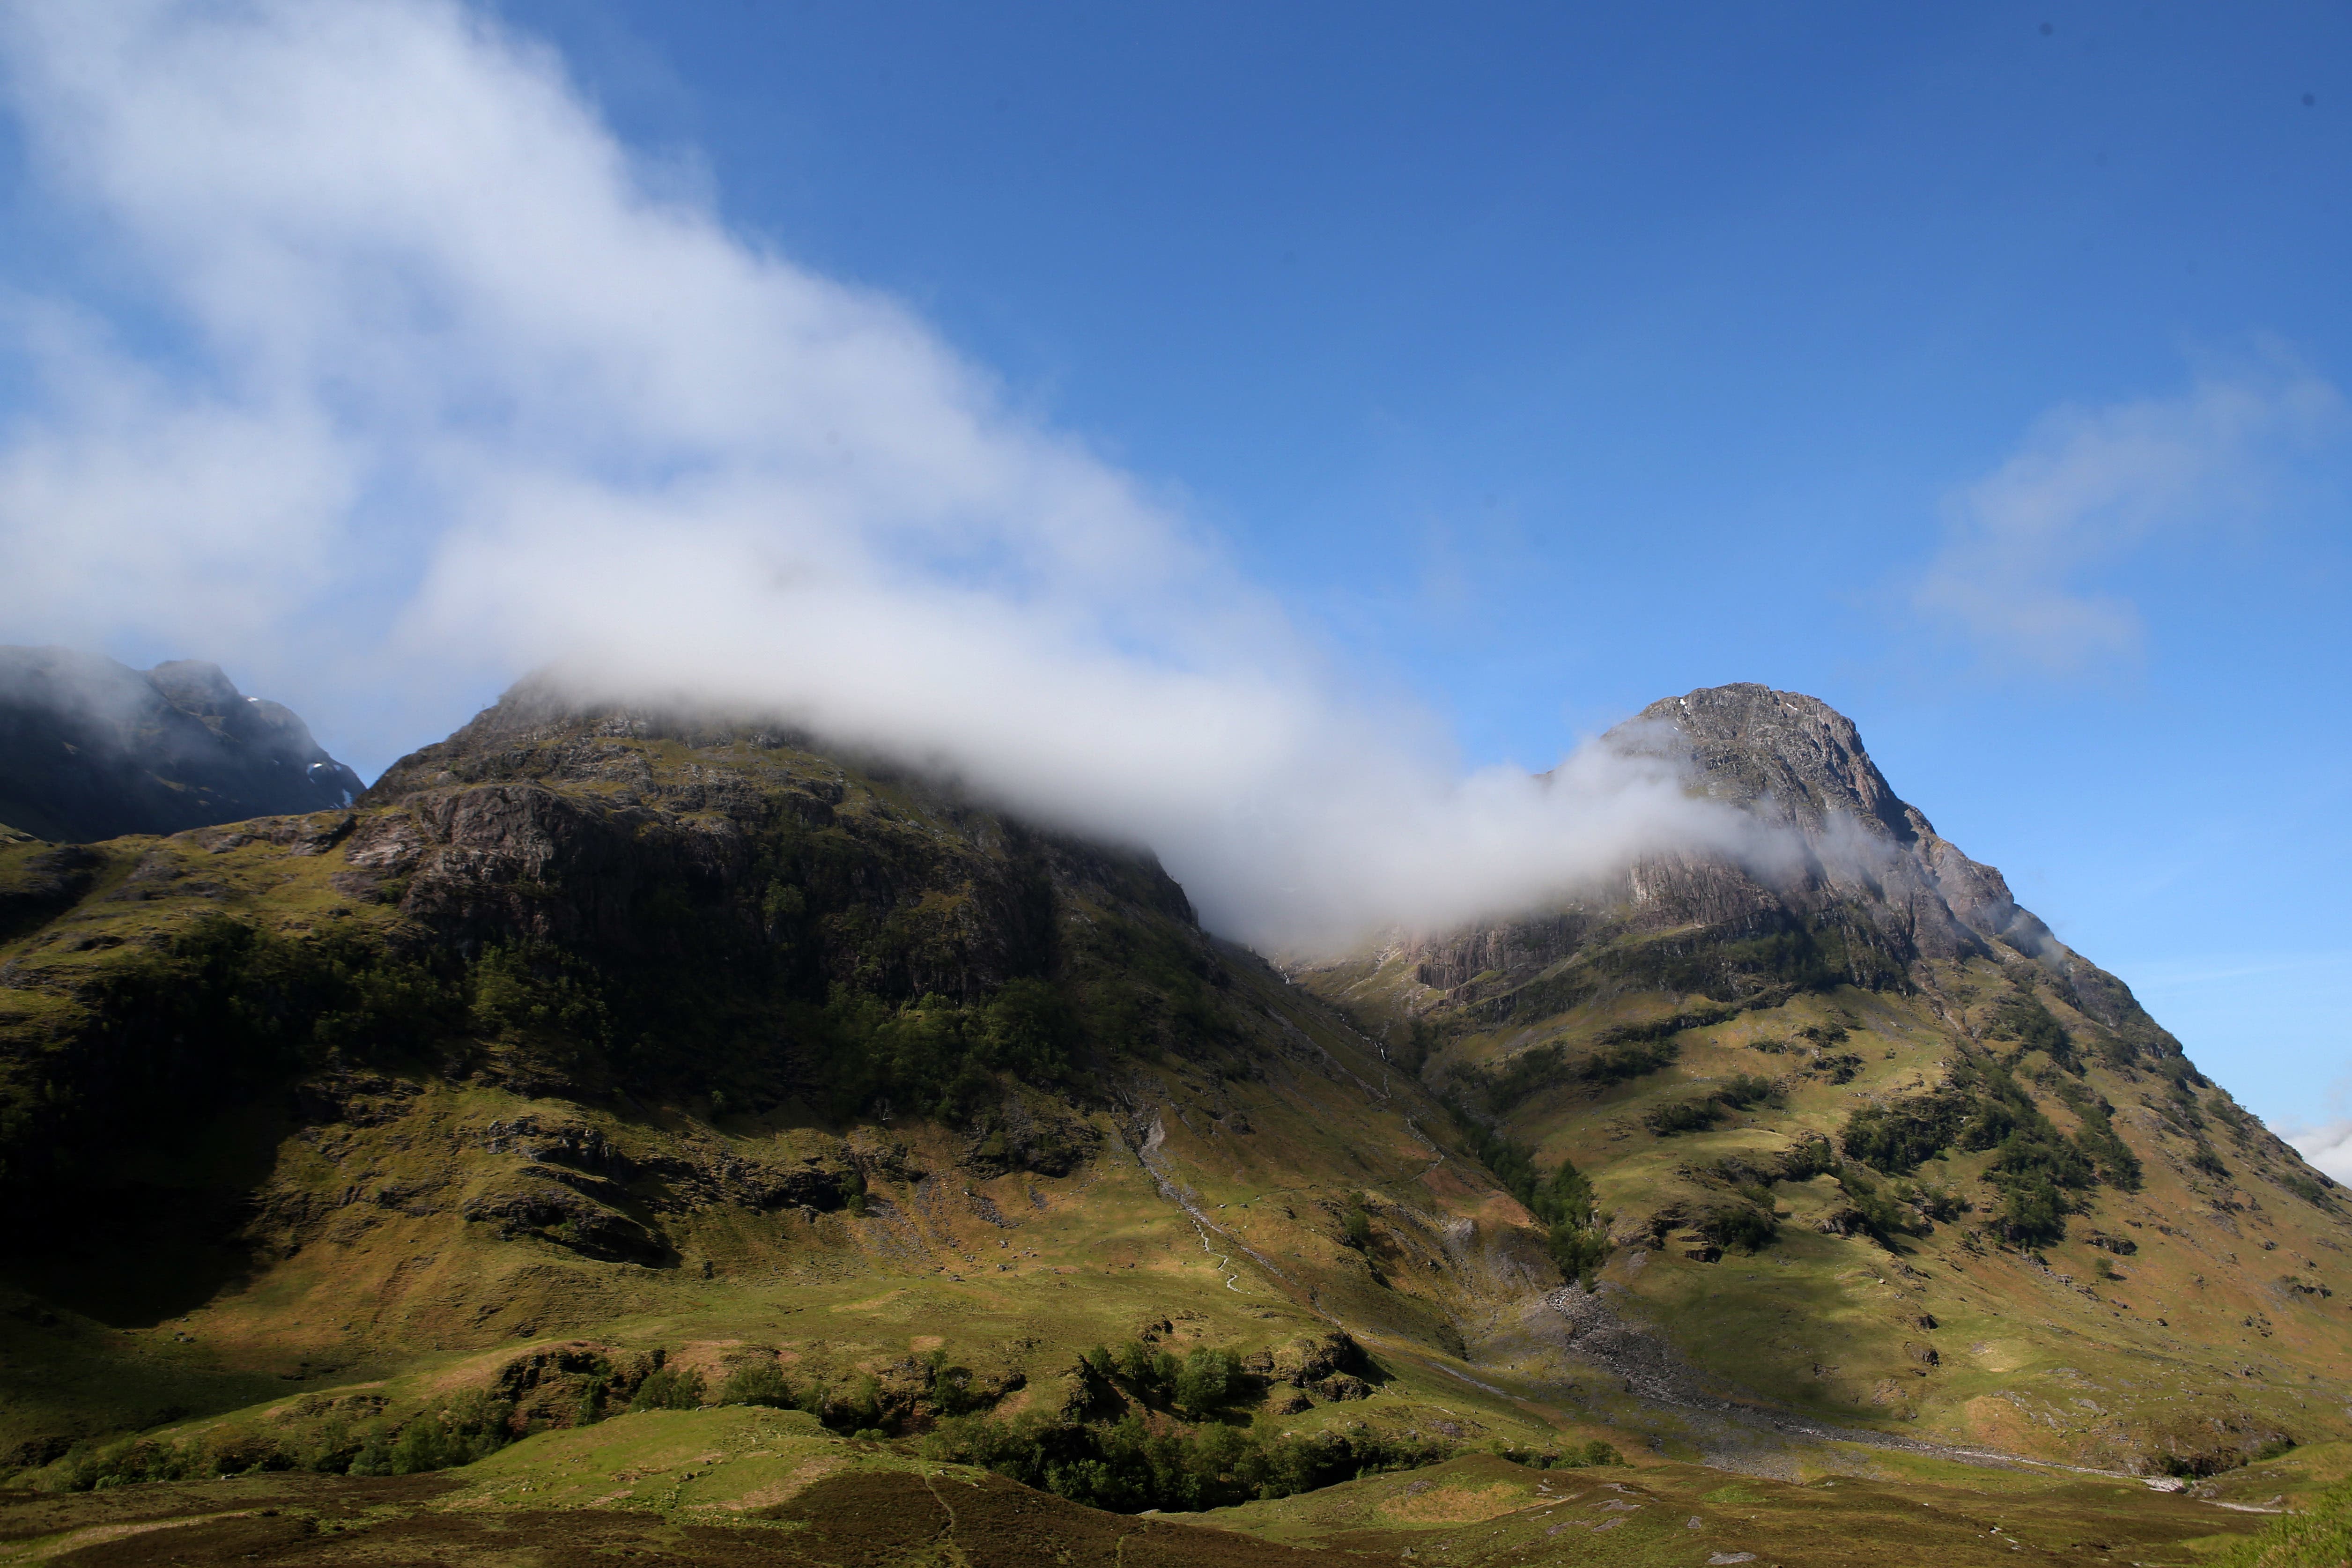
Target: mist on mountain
(453,388)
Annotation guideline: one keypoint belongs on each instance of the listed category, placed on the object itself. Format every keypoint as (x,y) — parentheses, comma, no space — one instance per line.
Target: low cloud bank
(2328,1147)
(381,362)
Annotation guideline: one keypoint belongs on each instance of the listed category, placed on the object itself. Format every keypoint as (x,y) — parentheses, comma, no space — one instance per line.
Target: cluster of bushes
(1569,1458)
(1741,1091)
(1882,1211)
(2118,1166)
(1838,1066)
(1612,1060)
(1981,1106)
(1562,1201)
(1200,1384)
(861,1407)
(1901,1208)
(1740,1228)
(1126,1466)
(457,1432)
(363,1441)
(2020,1016)
(935,1057)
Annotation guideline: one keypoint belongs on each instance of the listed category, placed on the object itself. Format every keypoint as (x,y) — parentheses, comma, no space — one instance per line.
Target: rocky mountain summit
(91,749)
(1841,869)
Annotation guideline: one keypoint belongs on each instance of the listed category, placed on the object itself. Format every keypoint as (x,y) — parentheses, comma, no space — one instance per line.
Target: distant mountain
(91,749)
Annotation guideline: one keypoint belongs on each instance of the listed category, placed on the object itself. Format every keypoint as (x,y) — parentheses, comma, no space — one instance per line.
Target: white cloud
(403,369)
(2025,547)
(2328,1147)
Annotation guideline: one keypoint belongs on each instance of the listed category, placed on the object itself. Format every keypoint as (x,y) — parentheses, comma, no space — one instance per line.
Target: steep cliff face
(91,749)
(1794,762)
(1844,1086)
(539,822)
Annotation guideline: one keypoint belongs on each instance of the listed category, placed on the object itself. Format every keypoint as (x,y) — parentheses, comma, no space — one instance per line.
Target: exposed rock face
(1843,863)
(91,749)
(1795,762)
(538,821)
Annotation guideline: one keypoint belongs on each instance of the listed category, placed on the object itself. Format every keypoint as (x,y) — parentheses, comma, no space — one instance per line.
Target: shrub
(1149,1374)
(1743,1091)
(1679,1116)
(1810,1156)
(952,1390)
(1896,1137)
(2022,1017)
(1563,1197)
(757,1383)
(669,1389)
(1739,1226)
(1579,1250)
(851,1410)
(1574,1456)
(2039,1153)
(2306,1188)
(2099,1144)
(1880,1216)
(1936,1204)
(2031,1213)
(1207,1381)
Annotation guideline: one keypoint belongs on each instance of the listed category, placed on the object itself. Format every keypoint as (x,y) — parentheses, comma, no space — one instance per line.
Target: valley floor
(745,1486)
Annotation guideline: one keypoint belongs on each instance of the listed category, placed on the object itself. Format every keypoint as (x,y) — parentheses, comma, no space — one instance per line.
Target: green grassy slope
(701,1042)
(766,1486)
(1852,1159)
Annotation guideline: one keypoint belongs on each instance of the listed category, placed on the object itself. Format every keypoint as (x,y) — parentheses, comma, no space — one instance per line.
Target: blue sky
(1551,363)
(1976,370)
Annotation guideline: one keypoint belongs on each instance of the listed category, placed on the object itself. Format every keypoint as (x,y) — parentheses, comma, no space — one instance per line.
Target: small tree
(757,1383)
(1205,1382)
(669,1389)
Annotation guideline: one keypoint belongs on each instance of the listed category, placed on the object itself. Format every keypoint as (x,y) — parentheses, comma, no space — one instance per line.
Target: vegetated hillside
(91,749)
(1867,1142)
(601,1059)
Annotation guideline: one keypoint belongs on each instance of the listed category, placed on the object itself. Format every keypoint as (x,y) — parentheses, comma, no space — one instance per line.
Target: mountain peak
(91,749)
(1781,754)
(1794,762)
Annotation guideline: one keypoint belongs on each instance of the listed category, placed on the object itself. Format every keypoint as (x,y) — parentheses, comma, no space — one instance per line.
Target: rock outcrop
(1843,875)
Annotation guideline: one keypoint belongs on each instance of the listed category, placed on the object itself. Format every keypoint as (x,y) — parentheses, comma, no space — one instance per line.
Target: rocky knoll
(91,749)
